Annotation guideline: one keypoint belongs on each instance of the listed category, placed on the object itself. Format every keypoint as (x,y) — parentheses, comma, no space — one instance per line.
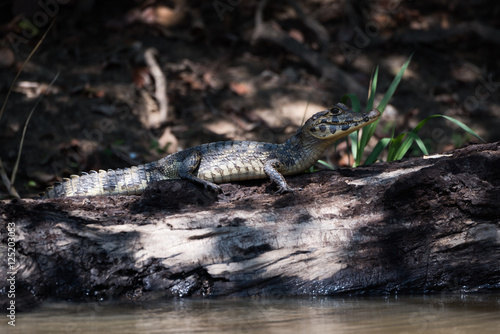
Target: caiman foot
(287,189)
(213,187)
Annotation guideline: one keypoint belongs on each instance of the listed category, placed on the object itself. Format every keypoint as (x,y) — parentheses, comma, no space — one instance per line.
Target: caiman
(226,161)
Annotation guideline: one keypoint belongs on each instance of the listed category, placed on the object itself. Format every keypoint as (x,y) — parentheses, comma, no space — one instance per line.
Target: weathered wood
(418,225)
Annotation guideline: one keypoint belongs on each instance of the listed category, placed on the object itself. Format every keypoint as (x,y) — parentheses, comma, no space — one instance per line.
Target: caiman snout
(374,113)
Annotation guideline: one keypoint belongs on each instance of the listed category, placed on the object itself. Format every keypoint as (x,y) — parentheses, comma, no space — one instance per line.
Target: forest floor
(232,70)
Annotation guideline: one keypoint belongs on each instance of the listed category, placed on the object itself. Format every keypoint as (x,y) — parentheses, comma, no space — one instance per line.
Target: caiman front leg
(188,168)
(271,168)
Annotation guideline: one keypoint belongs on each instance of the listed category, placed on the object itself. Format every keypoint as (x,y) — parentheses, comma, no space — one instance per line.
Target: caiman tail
(127,181)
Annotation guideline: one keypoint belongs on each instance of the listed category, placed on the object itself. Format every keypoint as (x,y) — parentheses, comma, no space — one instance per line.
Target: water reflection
(429,314)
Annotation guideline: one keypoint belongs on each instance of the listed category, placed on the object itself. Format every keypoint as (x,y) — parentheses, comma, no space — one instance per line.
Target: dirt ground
(221,78)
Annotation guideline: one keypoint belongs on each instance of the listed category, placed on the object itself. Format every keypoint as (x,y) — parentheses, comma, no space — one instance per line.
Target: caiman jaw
(339,121)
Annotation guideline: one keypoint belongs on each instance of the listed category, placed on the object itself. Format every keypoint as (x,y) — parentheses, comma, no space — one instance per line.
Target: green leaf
(381,145)
(354,147)
(405,146)
(324,163)
(368,130)
(395,146)
(421,145)
(372,91)
(451,119)
(400,150)
(398,147)
(367,133)
(394,84)
(356,106)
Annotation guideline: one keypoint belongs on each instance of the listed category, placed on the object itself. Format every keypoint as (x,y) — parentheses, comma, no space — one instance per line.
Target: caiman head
(337,122)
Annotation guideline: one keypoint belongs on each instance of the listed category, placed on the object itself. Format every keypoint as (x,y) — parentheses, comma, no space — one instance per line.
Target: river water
(475,313)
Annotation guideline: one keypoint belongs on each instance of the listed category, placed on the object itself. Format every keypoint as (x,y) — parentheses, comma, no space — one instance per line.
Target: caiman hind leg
(188,168)
(271,168)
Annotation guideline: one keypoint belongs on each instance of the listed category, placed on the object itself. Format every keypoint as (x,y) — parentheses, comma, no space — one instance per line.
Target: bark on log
(419,225)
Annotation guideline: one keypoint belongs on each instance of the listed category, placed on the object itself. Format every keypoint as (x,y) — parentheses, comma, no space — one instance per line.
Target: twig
(22,67)
(6,181)
(305,111)
(160,83)
(259,18)
(16,165)
(3,174)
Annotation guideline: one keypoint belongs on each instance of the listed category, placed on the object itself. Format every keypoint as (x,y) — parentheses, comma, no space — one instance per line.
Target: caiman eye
(335,111)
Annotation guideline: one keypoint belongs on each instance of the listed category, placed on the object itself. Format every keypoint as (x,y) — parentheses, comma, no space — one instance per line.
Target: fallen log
(418,225)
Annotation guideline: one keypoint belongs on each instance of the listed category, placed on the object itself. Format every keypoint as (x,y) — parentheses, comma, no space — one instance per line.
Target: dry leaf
(7,57)
(239,88)
(168,17)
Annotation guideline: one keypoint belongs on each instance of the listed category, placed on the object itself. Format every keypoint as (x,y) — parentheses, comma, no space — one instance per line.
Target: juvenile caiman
(226,161)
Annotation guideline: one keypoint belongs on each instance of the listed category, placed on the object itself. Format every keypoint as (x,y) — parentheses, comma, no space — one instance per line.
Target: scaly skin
(227,161)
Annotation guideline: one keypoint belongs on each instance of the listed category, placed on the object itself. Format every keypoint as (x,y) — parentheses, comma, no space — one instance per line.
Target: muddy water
(429,314)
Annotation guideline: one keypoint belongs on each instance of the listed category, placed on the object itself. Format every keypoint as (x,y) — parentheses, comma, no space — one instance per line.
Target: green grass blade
(421,145)
(372,91)
(461,125)
(399,147)
(451,119)
(356,106)
(326,164)
(366,133)
(394,147)
(394,84)
(368,130)
(405,146)
(381,145)
(354,144)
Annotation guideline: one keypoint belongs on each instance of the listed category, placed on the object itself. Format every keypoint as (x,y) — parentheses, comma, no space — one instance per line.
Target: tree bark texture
(417,225)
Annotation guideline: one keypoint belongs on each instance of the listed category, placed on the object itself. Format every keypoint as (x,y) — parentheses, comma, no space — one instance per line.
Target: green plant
(398,145)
